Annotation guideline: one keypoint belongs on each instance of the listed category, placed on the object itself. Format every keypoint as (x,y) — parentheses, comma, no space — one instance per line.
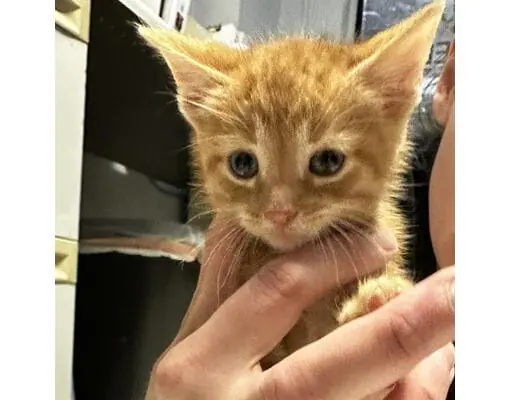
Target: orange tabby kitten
(298,137)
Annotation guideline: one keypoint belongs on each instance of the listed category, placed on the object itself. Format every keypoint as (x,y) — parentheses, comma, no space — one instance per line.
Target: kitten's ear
(393,61)
(197,66)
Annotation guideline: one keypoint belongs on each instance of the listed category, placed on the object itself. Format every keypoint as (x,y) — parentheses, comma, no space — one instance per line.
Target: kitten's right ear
(392,62)
(198,66)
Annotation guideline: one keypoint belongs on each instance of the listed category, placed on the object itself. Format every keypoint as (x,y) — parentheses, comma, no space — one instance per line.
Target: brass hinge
(66,261)
(73,16)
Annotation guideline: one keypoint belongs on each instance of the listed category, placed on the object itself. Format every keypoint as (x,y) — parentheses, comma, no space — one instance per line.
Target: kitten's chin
(285,243)
(281,240)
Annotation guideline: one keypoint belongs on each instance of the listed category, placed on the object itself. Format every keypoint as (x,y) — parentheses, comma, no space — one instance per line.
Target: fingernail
(452,294)
(386,240)
(391,388)
(452,374)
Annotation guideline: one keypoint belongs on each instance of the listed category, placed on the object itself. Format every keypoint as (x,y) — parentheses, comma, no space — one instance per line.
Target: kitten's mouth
(287,240)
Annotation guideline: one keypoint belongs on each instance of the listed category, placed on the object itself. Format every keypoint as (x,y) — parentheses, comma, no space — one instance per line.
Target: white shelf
(142,11)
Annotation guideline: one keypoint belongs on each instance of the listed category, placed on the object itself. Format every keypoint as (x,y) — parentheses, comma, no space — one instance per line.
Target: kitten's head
(295,134)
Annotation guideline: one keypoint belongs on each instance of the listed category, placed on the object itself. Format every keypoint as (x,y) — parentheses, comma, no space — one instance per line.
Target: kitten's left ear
(196,65)
(393,61)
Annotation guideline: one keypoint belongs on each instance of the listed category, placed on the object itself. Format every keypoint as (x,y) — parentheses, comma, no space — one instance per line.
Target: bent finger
(430,379)
(374,351)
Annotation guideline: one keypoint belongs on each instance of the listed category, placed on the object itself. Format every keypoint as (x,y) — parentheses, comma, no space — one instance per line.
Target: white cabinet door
(64,335)
(70,76)
(70,73)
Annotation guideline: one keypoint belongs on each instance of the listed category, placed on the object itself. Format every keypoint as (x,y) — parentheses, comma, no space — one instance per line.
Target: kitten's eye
(243,164)
(326,162)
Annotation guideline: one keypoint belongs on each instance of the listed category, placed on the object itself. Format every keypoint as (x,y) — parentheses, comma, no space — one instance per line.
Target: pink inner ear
(192,89)
(396,59)
(397,85)
(193,82)
(399,95)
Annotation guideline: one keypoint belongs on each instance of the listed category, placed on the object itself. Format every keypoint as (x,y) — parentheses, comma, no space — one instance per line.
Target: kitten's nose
(280,217)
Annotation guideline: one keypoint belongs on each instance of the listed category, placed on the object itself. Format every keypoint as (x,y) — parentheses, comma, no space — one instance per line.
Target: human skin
(442,180)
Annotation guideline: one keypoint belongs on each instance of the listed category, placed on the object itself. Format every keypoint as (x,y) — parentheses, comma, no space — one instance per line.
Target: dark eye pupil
(243,164)
(326,162)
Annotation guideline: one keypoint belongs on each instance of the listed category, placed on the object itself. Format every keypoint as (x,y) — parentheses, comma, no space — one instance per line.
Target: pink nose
(280,217)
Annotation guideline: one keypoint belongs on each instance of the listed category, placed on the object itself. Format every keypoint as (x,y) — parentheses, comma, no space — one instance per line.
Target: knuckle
(283,384)
(405,339)
(269,390)
(165,375)
(449,356)
(426,394)
(284,280)
(172,374)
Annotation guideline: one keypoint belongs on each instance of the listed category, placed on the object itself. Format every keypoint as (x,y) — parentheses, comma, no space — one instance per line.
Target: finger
(382,394)
(430,379)
(447,77)
(451,49)
(215,282)
(374,351)
(262,311)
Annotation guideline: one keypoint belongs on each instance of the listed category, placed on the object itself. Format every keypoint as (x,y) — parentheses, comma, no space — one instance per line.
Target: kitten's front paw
(371,295)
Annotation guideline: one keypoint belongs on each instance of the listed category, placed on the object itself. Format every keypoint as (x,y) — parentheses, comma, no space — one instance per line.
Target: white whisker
(346,250)
(237,246)
(352,227)
(337,272)
(233,232)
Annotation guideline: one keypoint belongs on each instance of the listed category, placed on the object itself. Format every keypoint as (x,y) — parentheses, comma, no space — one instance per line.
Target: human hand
(430,379)
(219,359)
(442,178)
(444,96)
